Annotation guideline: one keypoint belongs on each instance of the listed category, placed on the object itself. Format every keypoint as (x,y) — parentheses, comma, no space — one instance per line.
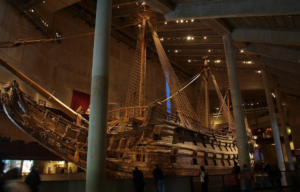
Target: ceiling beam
(212,58)
(218,25)
(280,64)
(174,41)
(161,6)
(180,34)
(197,52)
(274,52)
(284,74)
(182,27)
(234,8)
(193,47)
(121,3)
(289,90)
(287,82)
(285,37)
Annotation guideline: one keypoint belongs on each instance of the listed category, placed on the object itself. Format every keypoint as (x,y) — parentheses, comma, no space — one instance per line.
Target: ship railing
(124,114)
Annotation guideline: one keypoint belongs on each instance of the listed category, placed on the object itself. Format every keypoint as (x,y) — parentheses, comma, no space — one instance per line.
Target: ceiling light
(177,21)
(176,51)
(257,71)
(166,23)
(205,37)
(257,103)
(192,38)
(208,61)
(186,21)
(44,1)
(217,108)
(273,143)
(118,7)
(209,50)
(189,60)
(192,20)
(161,39)
(242,51)
(256,145)
(31,10)
(181,21)
(144,3)
(188,38)
(139,25)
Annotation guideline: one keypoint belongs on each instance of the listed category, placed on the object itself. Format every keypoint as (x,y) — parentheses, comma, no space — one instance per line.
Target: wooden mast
(143,66)
(207,123)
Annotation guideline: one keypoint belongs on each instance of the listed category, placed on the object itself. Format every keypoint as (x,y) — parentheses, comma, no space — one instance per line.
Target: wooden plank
(271,21)
(248,22)
(255,22)
(289,22)
(240,22)
(280,22)
(263,22)
(297,21)
(233,22)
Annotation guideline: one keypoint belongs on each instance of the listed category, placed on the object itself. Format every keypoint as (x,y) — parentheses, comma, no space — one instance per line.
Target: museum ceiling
(262,37)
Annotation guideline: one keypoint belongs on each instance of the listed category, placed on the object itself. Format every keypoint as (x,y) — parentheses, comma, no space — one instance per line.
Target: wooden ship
(138,135)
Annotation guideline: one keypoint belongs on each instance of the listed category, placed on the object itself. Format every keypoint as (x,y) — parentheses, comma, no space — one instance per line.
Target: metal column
(236,98)
(284,131)
(95,174)
(273,120)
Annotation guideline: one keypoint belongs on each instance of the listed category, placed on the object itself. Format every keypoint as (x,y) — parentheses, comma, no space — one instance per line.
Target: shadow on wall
(178,184)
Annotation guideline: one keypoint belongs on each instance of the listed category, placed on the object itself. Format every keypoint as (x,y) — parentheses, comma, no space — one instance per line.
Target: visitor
(13,183)
(204,179)
(138,179)
(246,178)
(236,169)
(70,170)
(278,176)
(271,175)
(33,180)
(158,174)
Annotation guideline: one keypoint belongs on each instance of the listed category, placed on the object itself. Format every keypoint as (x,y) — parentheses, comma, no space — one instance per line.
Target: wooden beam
(185,34)
(234,8)
(182,27)
(174,41)
(280,64)
(274,52)
(161,6)
(269,36)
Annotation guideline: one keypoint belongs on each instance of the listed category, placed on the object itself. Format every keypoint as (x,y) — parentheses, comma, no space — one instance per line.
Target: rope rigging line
(191,81)
(184,109)
(17,43)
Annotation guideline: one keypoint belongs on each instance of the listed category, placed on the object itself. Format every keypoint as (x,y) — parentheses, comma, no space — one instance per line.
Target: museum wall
(62,68)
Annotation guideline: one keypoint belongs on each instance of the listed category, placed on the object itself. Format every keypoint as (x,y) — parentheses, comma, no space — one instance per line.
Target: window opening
(205,162)
(195,161)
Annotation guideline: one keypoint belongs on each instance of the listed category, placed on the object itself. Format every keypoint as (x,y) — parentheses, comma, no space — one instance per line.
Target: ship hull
(177,150)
